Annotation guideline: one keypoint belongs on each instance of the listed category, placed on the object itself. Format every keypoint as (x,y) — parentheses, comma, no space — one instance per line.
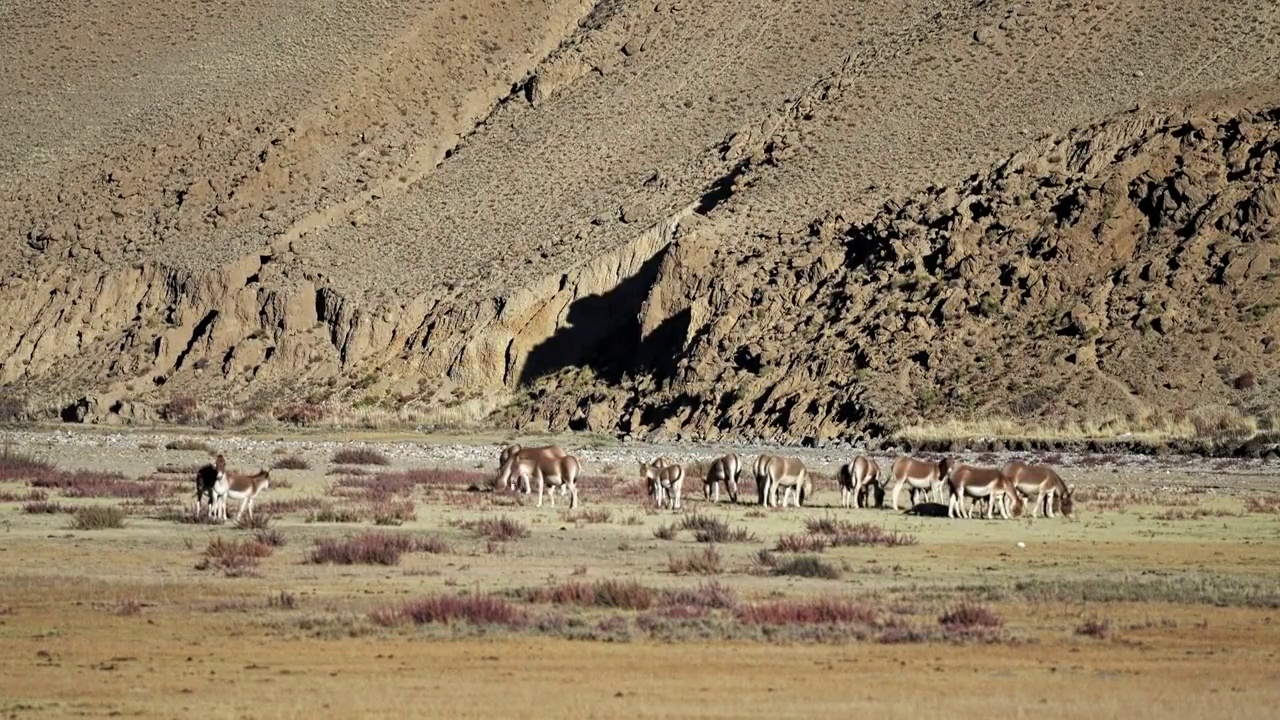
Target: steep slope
(442,202)
(1120,276)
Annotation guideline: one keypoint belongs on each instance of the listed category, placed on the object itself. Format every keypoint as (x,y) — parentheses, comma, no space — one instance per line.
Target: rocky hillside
(1125,276)
(429,210)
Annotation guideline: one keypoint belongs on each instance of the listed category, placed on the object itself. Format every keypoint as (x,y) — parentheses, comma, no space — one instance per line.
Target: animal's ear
(1071,488)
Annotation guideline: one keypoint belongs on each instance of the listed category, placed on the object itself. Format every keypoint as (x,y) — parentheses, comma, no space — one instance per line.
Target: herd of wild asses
(862,483)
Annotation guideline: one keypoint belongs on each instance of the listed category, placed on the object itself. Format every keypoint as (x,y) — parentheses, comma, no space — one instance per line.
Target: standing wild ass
(967,481)
(550,471)
(238,486)
(918,474)
(1041,481)
(545,451)
(665,479)
(723,470)
(859,477)
(207,478)
(787,474)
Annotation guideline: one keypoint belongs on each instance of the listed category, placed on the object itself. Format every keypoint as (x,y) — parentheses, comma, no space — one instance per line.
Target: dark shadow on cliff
(602,332)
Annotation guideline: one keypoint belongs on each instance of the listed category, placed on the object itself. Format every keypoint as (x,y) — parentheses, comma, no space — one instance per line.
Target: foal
(240,487)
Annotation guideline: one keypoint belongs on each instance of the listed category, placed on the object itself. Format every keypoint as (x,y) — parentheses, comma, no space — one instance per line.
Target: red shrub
(473,609)
(970,617)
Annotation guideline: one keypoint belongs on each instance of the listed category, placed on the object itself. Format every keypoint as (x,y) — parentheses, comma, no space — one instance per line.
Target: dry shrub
(392,512)
(619,594)
(330,513)
(360,456)
(1095,628)
(1265,504)
(802,543)
(17,465)
(807,566)
(434,544)
(233,557)
(502,529)
(373,548)
(291,462)
(270,537)
(474,609)
(98,517)
(27,496)
(180,410)
(711,594)
(442,478)
(1222,423)
(382,486)
(257,521)
(696,521)
(844,533)
(722,533)
(968,619)
(86,484)
(1197,514)
(704,562)
(665,532)
(298,414)
(819,611)
(283,601)
(45,507)
(282,506)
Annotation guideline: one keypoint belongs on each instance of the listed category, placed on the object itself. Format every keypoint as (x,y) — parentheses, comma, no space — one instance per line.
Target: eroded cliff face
(1121,274)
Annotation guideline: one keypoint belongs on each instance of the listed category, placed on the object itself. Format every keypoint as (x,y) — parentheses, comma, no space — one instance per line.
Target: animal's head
(805,490)
(1018,503)
(661,462)
(945,466)
(1067,502)
(220,463)
(648,472)
(507,452)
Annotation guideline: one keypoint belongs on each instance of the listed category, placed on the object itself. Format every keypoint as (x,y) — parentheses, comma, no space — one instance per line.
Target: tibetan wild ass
(967,481)
(545,451)
(550,472)
(664,481)
(237,486)
(918,474)
(862,476)
(723,470)
(757,471)
(207,478)
(787,474)
(1041,481)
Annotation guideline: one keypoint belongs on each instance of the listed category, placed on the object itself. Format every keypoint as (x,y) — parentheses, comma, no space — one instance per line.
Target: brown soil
(435,204)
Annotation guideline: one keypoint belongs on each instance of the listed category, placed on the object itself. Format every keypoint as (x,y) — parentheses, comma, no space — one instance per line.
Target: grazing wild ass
(207,478)
(664,481)
(545,451)
(723,470)
(1041,481)
(967,481)
(548,470)
(238,486)
(787,474)
(918,475)
(859,477)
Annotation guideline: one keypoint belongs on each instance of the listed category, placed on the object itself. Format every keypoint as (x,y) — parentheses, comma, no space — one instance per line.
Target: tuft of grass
(589,516)
(818,611)
(620,594)
(372,548)
(360,456)
(291,462)
(259,521)
(330,513)
(98,517)
(807,566)
(270,537)
(696,521)
(501,529)
(1095,628)
(802,543)
(285,600)
(28,496)
(840,532)
(711,530)
(233,557)
(968,618)
(474,609)
(704,562)
(665,532)
(710,594)
(1265,504)
(45,507)
(17,465)
(393,512)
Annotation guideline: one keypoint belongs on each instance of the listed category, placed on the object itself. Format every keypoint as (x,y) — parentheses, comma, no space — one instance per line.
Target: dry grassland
(1159,599)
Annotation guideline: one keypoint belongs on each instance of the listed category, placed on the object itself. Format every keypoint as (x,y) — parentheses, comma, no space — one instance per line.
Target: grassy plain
(1161,598)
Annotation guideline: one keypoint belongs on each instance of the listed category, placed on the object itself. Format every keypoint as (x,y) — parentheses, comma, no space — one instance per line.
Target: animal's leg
(897,490)
(715,493)
(540,485)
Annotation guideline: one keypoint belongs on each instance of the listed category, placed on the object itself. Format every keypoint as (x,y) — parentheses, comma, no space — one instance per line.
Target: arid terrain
(397,579)
(730,219)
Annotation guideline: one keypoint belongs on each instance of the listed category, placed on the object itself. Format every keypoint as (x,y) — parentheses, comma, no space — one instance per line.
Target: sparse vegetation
(701,562)
(807,566)
(235,558)
(291,462)
(828,610)
(501,529)
(360,456)
(98,517)
(472,609)
(188,445)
